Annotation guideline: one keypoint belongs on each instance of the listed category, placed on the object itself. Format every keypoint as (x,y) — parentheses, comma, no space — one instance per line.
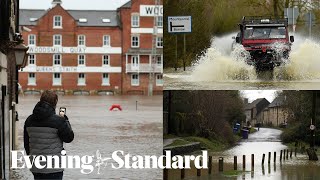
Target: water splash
(303,64)
(220,63)
(215,66)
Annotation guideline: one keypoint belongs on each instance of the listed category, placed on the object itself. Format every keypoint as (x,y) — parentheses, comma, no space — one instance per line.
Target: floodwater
(138,132)
(259,143)
(222,69)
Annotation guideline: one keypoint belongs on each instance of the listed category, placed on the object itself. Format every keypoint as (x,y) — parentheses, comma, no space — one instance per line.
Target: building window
(57,21)
(32,59)
(159,61)
(134,79)
(159,80)
(106,40)
(135,20)
(56,79)
(105,79)
(159,20)
(32,79)
(135,62)
(32,39)
(81,79)
(81,40)
(159,42)
(135,41)
(57,40)
(81,60)
(57,59)
(105,60)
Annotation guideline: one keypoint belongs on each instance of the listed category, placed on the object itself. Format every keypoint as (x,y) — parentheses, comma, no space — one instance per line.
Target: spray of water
(303,64)
(220,63)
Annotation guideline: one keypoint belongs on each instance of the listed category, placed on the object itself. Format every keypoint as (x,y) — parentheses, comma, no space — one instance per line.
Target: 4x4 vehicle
(266,39)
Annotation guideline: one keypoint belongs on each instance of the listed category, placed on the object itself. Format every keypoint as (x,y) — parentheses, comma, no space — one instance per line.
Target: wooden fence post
(199,170)
(274,157)
(235,163)
(244,162)
(263,159)
(252,162)
(220,164)
(269,157)
(210,165)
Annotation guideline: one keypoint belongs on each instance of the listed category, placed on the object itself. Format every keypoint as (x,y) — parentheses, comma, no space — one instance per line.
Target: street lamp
(20,51)
(21,55)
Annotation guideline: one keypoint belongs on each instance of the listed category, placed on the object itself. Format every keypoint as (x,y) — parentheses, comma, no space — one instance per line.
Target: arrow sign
(179,24)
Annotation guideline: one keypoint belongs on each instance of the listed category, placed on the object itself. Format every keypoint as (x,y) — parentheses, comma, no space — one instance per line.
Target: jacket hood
(43,110)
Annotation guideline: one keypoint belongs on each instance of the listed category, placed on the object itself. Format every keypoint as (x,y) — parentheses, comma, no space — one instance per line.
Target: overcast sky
(74,4)
(255,94)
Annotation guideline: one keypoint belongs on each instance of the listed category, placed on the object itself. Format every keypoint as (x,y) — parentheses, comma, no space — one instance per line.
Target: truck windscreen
(264,32)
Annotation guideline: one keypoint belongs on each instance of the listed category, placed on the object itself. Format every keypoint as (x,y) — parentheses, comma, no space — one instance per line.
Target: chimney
(246,101)
(55,2)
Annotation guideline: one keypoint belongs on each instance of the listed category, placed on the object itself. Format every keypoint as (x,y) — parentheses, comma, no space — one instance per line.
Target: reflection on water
(264,141)
(97,128)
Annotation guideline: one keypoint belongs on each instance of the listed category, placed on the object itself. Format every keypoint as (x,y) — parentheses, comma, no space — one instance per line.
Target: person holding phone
(45,132)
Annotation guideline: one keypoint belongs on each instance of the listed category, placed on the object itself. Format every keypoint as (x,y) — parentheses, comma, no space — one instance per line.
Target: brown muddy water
(96,128)
(222,69)
(259,143)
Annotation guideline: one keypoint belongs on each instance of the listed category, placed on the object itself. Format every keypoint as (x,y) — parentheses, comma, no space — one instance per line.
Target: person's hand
(62,114)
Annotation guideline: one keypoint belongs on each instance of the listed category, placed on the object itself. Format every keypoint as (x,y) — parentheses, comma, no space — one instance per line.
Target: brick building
(143,62)
(73,50)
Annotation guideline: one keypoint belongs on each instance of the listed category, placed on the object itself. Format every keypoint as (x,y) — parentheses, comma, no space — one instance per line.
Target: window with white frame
(56,79)
(135,20)
(134,79)
(105,60)
(81,40)
(159,20)
(106,40)
(57,40)
(105,79)
(159,42)
(32,39)
(81,60)
(57,59)
(159,61)
(159,80)
(57,21)
(32,79)
(134,41)
(32,59)
(135,62)
(81,79)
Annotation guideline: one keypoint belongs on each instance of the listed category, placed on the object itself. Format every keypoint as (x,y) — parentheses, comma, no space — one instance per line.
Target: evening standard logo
(118,160)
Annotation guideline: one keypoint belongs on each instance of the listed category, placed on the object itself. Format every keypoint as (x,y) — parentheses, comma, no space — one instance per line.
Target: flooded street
(259,143)
(138,132)
(222,69)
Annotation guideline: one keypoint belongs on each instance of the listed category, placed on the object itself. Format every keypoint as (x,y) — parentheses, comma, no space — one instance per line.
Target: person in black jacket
(44,134)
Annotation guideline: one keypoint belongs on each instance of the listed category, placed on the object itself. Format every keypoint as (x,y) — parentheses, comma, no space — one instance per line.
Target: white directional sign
(179,24)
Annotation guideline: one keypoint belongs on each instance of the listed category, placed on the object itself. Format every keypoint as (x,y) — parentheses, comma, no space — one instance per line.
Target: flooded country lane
(259,143)
(219,68)
(138,132)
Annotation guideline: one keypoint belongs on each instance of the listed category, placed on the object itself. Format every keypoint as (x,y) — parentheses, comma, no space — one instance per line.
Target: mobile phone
(63,110)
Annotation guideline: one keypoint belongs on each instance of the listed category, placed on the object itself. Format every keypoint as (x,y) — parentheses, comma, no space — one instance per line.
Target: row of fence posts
(284,154)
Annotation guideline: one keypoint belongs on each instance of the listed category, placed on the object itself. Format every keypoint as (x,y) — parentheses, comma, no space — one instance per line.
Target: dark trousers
(57,175)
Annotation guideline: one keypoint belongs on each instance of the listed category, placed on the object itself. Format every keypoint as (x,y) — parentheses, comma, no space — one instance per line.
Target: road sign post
(180,24)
